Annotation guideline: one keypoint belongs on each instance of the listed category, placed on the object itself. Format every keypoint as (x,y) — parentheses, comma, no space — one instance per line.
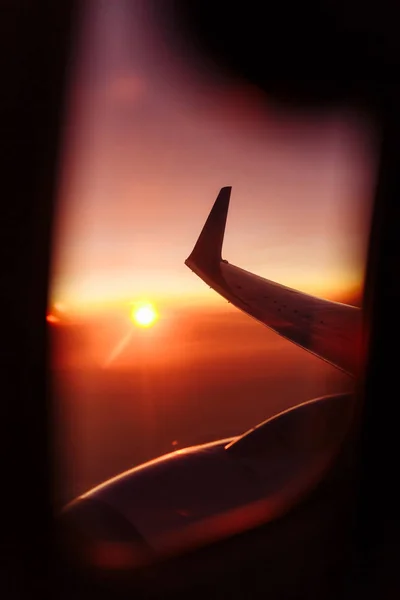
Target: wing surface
(330,330)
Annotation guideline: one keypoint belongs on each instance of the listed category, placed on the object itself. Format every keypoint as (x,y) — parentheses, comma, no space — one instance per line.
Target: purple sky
(150,140)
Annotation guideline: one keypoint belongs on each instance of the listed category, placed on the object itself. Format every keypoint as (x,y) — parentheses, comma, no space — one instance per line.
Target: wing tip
(208,248)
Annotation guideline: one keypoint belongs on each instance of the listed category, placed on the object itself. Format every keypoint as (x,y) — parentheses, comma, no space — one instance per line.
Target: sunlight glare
(52,319)
(144,316)
(60,307)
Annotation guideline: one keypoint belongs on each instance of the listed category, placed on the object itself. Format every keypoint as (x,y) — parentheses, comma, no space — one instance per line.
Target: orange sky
(196,376)
(149,141)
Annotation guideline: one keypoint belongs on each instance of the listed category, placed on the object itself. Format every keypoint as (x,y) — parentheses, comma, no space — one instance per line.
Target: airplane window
(152,356)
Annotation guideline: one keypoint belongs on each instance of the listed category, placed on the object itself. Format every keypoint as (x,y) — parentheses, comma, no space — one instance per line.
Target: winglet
(207,250)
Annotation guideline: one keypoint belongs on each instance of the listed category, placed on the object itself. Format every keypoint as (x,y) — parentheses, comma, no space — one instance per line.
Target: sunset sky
(149,141)
(150,137)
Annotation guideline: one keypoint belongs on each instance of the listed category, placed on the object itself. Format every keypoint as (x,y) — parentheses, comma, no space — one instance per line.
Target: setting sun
(144,316)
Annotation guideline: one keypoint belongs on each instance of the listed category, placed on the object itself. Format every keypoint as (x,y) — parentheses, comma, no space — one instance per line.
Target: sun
(144,315)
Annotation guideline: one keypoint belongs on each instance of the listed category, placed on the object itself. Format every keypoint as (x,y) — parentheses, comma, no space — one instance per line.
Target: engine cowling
(203,493)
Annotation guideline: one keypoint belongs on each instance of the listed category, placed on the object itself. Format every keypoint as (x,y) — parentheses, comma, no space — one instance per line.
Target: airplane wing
(330,330)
